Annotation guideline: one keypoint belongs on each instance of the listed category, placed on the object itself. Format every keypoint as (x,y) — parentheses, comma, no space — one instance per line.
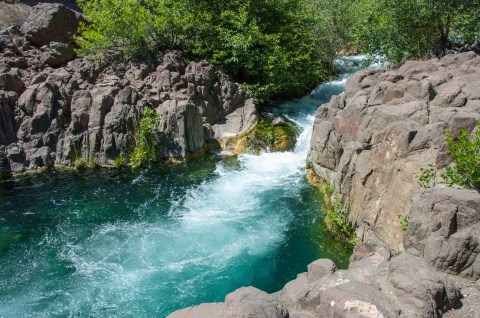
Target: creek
(103,243)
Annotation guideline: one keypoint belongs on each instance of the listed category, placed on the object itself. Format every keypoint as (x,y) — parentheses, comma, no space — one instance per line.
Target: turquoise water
(121,244)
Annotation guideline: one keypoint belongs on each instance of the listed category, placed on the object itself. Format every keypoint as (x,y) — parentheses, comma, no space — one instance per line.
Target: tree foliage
(273,47)
(405,29)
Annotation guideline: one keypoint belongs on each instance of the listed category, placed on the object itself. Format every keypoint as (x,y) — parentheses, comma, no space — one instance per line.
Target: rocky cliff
(55,108)
(370,142)
(373,140)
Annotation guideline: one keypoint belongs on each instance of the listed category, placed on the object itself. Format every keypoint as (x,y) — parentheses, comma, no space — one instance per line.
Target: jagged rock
(375,285)
(372,140)
(7,122)
(11,82)
(57,54)
(79,111)
(444,225)
(243,303)
(51,22)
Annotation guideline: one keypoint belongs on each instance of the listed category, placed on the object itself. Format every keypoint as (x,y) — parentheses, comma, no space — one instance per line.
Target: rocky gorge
(370,143)
(56,109)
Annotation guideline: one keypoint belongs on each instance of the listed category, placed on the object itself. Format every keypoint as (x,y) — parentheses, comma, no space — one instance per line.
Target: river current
(121,244)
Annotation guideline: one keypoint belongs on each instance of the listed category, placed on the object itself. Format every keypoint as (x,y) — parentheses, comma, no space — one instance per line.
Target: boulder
(245,302)
(57,54)
(279,121)
(12,83)
(51,22)
(444,226)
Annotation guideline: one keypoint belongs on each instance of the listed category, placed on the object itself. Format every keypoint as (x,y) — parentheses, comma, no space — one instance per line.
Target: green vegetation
(144,148)
(276,48)
(120,162)
(267,136)
(403,223)
(409,29)
(466,156)
(264,136)
(92,162)
(336,215)
(427,176)
(273,47)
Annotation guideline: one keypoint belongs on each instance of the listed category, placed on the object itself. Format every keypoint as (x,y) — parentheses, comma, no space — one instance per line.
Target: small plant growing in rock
(427,176)
(466,156)
(92,162)
(120,162)
(144,149)
(77,159)
(403,223)
(336,216)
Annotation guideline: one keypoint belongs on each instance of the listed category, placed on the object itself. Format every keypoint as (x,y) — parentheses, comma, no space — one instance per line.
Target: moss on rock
(264,136)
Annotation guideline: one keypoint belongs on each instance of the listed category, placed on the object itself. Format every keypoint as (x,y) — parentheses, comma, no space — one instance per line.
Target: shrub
(466,156)
(336,215)
(120,162)
(403,223)
(427,176)
(144,148)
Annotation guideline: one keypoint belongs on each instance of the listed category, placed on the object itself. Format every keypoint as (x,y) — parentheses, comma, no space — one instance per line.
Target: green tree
(273,47)
(405,29)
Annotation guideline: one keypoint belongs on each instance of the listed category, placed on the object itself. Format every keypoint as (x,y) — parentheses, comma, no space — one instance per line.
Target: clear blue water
(121,244)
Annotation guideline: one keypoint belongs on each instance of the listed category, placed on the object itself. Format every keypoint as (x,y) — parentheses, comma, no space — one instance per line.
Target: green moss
(267,136)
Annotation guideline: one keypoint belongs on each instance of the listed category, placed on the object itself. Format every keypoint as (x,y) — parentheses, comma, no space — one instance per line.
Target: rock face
(52,111)
(445,227)
(372,140)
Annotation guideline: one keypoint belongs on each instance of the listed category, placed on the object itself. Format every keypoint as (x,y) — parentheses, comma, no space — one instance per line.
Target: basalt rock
(57,109)
(51,22)
(372,140)
(444,225)
(376,285)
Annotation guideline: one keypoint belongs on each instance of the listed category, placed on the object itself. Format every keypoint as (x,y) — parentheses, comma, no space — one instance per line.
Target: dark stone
(58,54)
(51,22)
(13,83)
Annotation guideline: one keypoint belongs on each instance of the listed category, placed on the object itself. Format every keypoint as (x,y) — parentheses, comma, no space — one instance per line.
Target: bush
(274,47)
(466,157)
(120,162)
(427,176)
(144,148)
